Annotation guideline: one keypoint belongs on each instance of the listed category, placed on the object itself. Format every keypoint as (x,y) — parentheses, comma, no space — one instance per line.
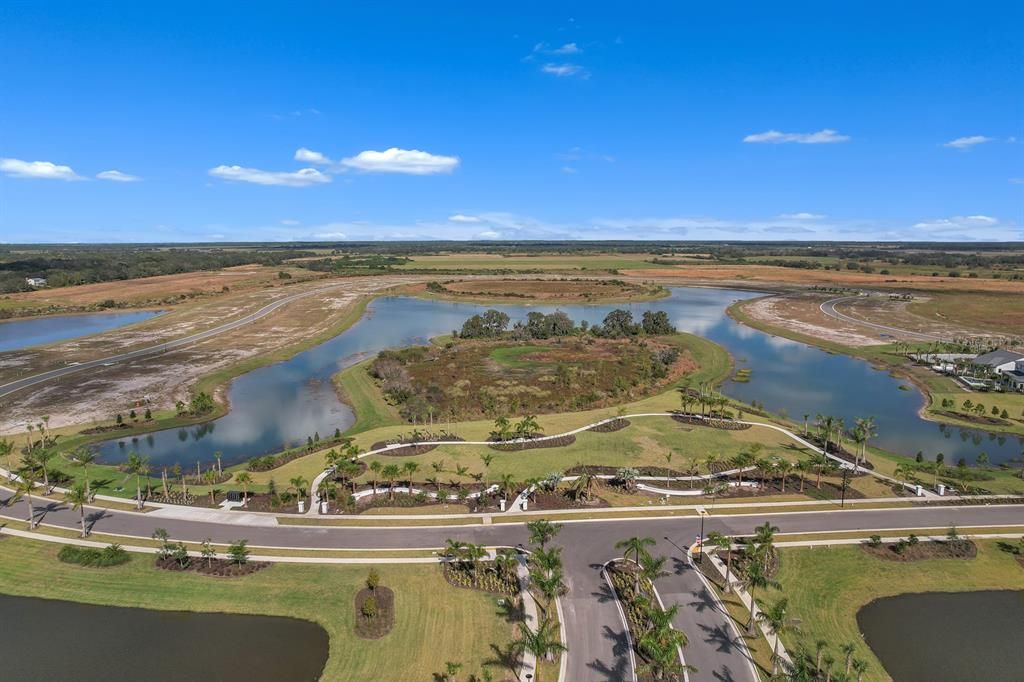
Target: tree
(137,465)
(848,649)
(40,457)
(391,472)
(820,462)
(547,560)
(661,649)
(6,448)
(451,670)
(652,568)
(372,580)
(618,323)
(410,469)
(542,531)
(543,642)
(78,498)
(375,467)
(301,486)
(755,578)
(860,666)
(638,546)
(239,551)
(24,487)
(527,427)
(210,477)
(486,460)
(742,461)
(502,428)
(82,457)
(656,323)
(775,617)
(208,552)
(244,479)
(721,541)
(550,586)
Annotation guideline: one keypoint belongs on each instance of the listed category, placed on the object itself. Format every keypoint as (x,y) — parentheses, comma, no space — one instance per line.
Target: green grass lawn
(511,356)
(434,622)
(827,586)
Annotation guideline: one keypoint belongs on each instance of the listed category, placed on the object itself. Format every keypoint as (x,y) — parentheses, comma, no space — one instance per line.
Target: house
(35,281)
(1014,379)
(997,362)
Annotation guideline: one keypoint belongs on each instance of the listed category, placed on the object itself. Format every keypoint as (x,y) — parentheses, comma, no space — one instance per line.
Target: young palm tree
(549,586)
(783,467)
(756,579)
(507,484)
(764,541)
(542,642)
(720,541)
(741,461)
(820,463)
(502,428)
(455,549)
(301,486)
(860,666)
(775,617)
(244,479)
(547,560)
(326,490)
(410,469)
(486,459)
(542,531)
(473,554)
(6,448)
(83,457)
(24,487)
(661,649)
(848,649)
(652,568)
(803,467)
(638,546)
(820,647)
(375,467)
(78,497)
(210,477)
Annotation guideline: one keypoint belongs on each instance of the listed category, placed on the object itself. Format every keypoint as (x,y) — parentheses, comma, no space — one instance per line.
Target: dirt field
(97,394)
(542,290)
(764,274)
(802,313)
(160,289)
(554,263)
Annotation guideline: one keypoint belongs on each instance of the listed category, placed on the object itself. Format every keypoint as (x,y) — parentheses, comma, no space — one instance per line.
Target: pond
(283,404)
(947,636)
(17,334)
(46,639)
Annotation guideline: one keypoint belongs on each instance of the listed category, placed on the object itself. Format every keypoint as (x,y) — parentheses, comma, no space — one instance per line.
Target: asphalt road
(20,384)
(594,629)
(829,308)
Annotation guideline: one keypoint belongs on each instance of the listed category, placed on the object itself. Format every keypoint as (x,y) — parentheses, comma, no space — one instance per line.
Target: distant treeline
(64,267)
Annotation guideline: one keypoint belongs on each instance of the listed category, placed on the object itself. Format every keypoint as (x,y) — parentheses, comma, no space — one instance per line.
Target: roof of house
(997,357)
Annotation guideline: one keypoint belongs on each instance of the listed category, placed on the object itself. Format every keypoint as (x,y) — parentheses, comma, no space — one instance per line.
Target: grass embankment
(549,291)
(434,622)
(826,586)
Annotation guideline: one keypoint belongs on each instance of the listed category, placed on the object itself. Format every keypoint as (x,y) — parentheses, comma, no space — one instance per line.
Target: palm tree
(24,486)
(848,649)
(741,461)
(244,479)
(764,540)
(755,578)
(860,666)
(326,489)
(583,486)
(506,484)
(410,469)
(803,467)
(391,472)
(135,465)
(720,541)
(549,586)
(78,497)
(6,448)
(473,554)
(210,477)
(547,560)
(301,485)
(775,617)
(638,546)
(542,642)
(82,457)
(502,428)
(652,568)
(820,645)
(486,458)
(820,462)
(375,467)
(661,650)
(783,467)
(217,455)
(542,531)
(454,549)
(527,427)
(40,457)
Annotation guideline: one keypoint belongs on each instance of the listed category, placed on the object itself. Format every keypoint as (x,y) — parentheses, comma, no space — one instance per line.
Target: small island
(551,290)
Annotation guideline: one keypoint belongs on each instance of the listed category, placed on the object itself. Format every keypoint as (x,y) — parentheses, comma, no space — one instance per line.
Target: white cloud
(290,223)
(330,235)
(568,170)
(39,170)
(967,142)
(1017,181)
(489,234)
(568,48)
(460,218)
(395,160)
(300,178)
(309,156)
(802,216)
(117,176)
(826,136)
(563,70)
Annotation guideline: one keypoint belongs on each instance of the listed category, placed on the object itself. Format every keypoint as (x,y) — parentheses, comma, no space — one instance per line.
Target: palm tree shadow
(620,649)
(511,610)
(94,517)
(719,637)
(506,658)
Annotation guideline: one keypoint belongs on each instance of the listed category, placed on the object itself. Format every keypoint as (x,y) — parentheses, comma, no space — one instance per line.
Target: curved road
(20,384)
(593,627)
(829,308)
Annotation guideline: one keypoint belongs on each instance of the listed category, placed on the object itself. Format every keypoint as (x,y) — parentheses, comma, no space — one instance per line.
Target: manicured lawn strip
(356,521)
(826,586)
(435,623)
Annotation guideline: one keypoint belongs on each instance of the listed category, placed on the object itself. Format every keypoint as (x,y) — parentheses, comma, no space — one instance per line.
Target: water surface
(934,637)
(282,404)
(16,334)
(46,639)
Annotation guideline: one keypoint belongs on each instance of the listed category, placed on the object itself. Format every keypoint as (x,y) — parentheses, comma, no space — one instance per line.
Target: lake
(17,334)
(46,639)
(934,637)
(282,404)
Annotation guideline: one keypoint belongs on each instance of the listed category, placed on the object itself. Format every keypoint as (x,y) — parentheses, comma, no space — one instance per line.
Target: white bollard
(501,504)
(523,505)
(323,507)
(302,506)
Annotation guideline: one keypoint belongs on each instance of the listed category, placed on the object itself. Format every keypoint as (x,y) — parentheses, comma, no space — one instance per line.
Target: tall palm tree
(24,487)
(820,462)
(549,586)
(542,531)
(217,455)
(542,642)
(135,465)
(848,649)
(721,541)
(40,457)
(755,578)
(860,666)
(375,467)
(83,457)
(803,467)
(391,472)
(547,560)
(244,479)
(783,467)
(764,542)
(775,617)
(210,477)
(486,459)
(6,448)
(301,486)
(507,484)
(741,461)
(410,469)
(78,497)
(637,545)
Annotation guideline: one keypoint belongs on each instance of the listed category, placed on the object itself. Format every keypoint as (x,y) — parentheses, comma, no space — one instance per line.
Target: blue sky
(207,121)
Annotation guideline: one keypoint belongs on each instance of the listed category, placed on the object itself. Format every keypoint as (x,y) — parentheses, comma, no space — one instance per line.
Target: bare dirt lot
(161,380)
(802,313)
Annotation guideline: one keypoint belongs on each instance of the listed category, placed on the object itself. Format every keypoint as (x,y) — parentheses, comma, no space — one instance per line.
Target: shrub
(373,579)
(112,555)
(913,540)
(239,552)
(875,541)
(369,608)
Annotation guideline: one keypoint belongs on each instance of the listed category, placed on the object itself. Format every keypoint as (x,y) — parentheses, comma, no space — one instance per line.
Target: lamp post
(700,541)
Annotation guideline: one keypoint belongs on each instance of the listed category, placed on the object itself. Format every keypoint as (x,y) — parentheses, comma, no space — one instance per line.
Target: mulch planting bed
(404,451)
(724,424)
(828,491)
(484,578)
(610,427)
(222,568)
(622,575)
(104,429)
(923,550)
(405,500)
(375,627)
(602,470)
(559,442)
(544,500)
